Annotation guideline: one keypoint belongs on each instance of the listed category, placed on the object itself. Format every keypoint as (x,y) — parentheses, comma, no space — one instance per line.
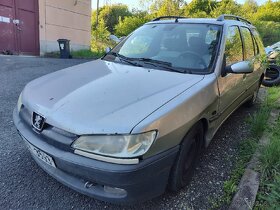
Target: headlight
(19,103)
(120,146)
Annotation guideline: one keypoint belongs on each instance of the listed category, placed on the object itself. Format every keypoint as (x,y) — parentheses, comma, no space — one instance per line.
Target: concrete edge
(248,186)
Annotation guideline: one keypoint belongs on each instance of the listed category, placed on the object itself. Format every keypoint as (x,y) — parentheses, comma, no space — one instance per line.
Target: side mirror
(108,49)
(243,67)
(114,38)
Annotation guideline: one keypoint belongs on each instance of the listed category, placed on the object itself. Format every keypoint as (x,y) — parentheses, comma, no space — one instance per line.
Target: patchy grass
(268,196)
(52,54)
(274,96)
(79,54)
(246,150)
(88,54)
(258,121)
(270,158)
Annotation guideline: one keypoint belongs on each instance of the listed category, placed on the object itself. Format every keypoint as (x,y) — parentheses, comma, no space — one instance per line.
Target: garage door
(19,32)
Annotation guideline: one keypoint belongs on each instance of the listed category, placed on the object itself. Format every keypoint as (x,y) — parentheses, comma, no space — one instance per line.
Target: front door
(231,86)
(19,32)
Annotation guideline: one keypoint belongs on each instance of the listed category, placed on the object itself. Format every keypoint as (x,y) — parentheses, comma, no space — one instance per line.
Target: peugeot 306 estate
(128,126)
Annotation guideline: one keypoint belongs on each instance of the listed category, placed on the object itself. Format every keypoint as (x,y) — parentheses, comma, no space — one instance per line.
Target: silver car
(126,127)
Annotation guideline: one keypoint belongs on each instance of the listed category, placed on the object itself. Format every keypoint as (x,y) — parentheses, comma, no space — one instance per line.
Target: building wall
(66,19)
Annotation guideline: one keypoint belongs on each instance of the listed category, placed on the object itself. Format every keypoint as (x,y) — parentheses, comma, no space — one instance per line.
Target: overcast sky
(134,3)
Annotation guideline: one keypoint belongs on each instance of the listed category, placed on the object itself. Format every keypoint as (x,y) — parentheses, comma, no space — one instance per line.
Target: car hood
(103,97)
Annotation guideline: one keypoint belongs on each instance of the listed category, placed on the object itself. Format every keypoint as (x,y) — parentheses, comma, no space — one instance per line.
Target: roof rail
(225,16)
(169,17)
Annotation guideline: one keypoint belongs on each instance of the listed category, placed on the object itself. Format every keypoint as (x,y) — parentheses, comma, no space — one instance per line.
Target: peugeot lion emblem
(37,121)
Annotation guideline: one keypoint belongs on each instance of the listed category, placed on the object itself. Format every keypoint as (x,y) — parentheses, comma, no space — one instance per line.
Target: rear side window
(257,51)
(259,41)
(233,48)
(248,43)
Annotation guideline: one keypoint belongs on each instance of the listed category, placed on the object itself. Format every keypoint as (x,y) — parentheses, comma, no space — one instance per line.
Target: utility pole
(97,11)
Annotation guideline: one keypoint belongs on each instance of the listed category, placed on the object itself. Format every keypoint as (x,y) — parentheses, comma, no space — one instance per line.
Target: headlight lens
(121,146)
(19,103)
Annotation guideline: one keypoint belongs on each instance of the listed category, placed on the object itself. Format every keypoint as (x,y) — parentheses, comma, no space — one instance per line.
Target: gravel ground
(23,185)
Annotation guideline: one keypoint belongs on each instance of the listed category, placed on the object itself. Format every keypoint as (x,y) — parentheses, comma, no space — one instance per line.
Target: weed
(268,196)
(258,121)
(257,124)
(86,54)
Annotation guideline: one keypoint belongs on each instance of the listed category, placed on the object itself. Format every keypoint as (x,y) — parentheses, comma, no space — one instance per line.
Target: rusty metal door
(19,21)
(7,29)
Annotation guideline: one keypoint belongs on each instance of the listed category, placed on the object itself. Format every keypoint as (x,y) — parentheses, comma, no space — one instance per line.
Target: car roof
(203,21)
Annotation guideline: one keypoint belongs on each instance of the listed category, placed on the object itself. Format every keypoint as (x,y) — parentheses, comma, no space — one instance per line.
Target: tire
(272,76)
(185,162)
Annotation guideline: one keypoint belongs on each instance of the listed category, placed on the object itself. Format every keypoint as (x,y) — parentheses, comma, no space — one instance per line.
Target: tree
(226,7)
(166,8)
(199,8)
(249,9)
(129,24)
(111,15)
(270,11)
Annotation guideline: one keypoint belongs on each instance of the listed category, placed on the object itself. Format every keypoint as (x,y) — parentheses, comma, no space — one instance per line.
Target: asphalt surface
(23,185)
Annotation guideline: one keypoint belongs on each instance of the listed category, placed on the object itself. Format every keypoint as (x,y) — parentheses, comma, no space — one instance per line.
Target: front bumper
(141,182)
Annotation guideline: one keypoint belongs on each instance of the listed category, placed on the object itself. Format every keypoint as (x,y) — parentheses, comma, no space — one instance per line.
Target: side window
(259,41)
(248,43)
(233,48)
(257,51)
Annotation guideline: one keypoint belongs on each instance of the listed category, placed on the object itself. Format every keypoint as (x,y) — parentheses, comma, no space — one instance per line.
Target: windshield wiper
(122,58)
(161,64)
(154,61)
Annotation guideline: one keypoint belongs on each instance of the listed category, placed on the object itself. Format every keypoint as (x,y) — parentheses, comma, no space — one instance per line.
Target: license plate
(41,155)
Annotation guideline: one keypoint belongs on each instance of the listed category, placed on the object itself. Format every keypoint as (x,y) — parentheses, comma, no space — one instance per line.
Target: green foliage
(129,24)
(88,54)
(118,19)
(100,37)
(111,15)
(269,192)
(270,158)
(269,31)
(271,198)
(270,11)
(249,9)
(101,32)
(166,7)
(246,150)
(257,121)
(199,8)
(226,7)
(258,124)
(274,95)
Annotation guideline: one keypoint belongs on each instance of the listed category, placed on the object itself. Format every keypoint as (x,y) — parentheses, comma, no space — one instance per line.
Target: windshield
(188,48)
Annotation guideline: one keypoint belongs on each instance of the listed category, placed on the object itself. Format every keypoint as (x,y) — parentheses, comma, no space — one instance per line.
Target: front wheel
(184,165)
